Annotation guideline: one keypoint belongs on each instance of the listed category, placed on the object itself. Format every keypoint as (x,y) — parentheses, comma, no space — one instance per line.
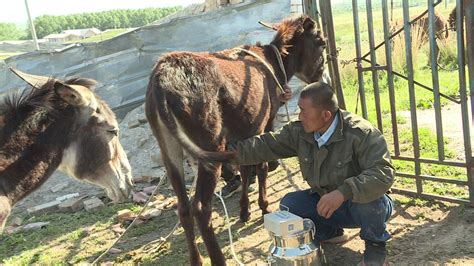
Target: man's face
(313,118)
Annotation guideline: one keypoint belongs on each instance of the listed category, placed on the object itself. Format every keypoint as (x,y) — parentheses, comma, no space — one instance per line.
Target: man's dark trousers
(370,217)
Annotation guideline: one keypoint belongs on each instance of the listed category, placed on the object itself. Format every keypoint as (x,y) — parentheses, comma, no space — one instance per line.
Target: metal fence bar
(391,88)
(427,88)
(431,161)
(360,75)
(328,25)
(400,30)
(469,13)
(434,77)
(420,84)
(311,8)
(391,10)
(411,88)
(372,68)
(463,93)
(470,51)
(416,158)
(373,59)
(434,178)
(428,196)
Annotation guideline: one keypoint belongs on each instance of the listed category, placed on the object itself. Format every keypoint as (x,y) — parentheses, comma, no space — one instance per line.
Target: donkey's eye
(114,131)
(97,110)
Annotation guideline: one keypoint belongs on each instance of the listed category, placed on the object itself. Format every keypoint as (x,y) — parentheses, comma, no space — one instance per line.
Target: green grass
(103,36)
(62,239)
(4,56)
(424,99)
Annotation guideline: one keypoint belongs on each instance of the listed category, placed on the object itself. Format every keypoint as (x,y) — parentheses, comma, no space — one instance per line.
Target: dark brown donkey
(200,101)
(58,124)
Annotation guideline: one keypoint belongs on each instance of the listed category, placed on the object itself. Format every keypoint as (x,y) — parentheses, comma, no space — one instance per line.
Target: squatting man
(346,163)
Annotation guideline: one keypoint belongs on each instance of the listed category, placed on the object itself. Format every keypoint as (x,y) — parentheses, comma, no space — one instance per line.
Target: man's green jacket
(355,160)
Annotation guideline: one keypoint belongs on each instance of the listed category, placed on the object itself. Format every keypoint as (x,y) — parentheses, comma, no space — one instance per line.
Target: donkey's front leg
(262,174)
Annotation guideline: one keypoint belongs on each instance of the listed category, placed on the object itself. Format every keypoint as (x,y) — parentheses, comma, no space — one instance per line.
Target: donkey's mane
(30,98)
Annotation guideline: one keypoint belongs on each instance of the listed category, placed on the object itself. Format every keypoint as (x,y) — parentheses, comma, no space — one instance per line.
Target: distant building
(84,33)
(72,35)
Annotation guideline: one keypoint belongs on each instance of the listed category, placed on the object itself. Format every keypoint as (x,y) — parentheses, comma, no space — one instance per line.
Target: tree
(112,19)
(9,31)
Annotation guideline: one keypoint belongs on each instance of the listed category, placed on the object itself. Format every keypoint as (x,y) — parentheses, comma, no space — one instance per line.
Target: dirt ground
(451,120)
(422,232)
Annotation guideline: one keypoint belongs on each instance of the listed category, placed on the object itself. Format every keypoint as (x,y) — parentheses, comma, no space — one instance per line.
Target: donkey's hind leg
(5,209)
(172,154)
(262,174)
(244,196)
(202,209)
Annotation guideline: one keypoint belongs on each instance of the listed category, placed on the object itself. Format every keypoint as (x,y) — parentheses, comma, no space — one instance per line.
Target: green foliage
(102,37)
(10,31)
(6,55)
(113,19)
(447,57)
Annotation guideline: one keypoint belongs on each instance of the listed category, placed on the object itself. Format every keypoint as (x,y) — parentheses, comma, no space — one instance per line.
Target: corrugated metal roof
(123,64)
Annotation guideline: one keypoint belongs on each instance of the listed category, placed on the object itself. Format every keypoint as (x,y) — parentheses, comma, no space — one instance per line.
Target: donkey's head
(92,151)
(95,155)
(301,45)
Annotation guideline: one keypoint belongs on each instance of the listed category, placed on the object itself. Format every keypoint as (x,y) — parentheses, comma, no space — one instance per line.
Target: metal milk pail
(295,249)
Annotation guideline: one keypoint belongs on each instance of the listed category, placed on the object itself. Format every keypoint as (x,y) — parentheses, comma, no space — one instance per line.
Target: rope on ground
(133,222)
(219,195)
(163,240)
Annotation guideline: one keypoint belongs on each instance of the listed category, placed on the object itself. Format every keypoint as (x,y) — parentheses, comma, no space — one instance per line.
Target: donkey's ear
(268,25)
(308,24)
(69,94)
(33,80)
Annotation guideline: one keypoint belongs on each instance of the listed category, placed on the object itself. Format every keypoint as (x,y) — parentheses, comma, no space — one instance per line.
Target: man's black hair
(321,95)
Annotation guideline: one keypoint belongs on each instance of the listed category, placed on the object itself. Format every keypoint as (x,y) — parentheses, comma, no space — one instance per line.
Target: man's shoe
(273,165)
(252,178)
(234,185)
(375,254)
(338,238)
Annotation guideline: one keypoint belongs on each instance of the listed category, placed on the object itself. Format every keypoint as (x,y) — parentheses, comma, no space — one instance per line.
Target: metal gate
(368,63)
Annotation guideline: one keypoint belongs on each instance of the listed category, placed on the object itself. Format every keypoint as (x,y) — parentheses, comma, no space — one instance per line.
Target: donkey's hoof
(244,217)
(265,211)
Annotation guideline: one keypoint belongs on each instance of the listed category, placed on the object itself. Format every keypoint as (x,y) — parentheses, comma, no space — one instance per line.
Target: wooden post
(469,20)
(328,27)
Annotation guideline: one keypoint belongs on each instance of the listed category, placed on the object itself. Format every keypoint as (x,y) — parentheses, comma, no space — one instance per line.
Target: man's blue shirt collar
(322,140)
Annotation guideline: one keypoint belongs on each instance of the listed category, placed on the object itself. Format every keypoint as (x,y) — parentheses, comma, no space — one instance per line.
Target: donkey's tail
(166,115)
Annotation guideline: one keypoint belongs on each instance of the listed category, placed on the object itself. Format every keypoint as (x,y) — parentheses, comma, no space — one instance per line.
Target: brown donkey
(201,101)
(58,124)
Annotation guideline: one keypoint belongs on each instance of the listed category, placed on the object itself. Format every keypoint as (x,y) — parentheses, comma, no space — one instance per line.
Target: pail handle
(284,207)
(313,227)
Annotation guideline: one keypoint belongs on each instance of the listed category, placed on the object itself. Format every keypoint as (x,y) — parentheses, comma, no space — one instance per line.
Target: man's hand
(286,96)
(329,203)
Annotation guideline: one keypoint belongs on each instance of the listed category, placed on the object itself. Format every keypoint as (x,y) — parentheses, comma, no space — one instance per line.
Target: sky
(15,11)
